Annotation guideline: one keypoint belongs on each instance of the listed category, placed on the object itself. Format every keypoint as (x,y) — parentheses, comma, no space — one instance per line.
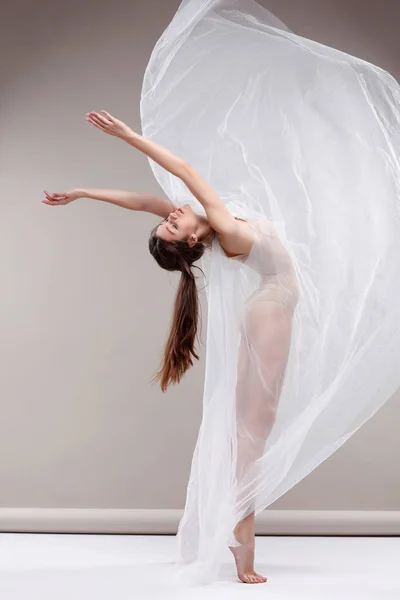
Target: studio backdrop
(87,443)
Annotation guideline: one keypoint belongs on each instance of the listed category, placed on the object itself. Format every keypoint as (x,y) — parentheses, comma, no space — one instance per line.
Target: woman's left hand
(105,122)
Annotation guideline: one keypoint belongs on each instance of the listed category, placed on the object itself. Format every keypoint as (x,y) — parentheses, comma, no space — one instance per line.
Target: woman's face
(179,225)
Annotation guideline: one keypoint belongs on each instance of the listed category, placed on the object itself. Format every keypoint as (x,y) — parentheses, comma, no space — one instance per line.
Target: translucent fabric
(303,340)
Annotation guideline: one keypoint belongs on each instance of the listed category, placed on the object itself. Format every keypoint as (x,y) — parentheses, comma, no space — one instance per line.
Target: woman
(266,326)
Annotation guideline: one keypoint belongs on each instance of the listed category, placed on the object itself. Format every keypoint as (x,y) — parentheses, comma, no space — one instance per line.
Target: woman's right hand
(63,198)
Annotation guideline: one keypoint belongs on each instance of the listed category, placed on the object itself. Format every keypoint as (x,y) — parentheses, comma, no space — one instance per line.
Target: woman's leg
(262,361)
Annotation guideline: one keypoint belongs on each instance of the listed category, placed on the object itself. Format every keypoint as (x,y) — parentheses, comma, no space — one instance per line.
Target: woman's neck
(205,232)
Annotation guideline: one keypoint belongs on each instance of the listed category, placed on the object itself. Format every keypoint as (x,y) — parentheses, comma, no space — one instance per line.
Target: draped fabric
(303,339)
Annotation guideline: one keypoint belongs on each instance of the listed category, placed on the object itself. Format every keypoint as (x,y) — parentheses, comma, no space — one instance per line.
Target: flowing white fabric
(303,339)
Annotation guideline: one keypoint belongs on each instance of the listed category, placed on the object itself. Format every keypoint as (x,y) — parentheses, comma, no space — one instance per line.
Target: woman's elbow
(184,170)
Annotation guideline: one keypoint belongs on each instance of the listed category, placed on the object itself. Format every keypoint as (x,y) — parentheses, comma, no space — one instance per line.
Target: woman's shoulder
(240,242)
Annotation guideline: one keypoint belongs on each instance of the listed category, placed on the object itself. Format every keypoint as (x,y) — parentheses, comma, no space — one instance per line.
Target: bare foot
(244,559)
(244,554)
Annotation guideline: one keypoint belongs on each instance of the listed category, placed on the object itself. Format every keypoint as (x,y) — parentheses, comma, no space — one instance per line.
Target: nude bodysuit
(263,353)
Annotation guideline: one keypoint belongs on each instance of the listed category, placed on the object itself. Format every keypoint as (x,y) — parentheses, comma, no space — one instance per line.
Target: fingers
(108,115)
(54,196)
(105,119)
(53,199)
(103,122)
(99,118)
(54,202)
(96,121)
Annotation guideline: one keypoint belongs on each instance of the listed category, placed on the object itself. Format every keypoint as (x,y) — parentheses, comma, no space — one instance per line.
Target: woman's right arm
(140,201)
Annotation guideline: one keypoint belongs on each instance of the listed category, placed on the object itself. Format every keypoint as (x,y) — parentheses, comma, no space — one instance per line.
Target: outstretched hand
(63,198)
(109,124)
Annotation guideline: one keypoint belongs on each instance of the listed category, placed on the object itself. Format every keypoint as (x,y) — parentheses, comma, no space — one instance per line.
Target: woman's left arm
(220,218)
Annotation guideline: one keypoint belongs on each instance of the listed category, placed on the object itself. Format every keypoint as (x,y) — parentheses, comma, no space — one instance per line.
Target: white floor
(122,567)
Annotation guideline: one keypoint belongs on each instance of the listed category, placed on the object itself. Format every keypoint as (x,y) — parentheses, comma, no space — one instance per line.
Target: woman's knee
(264,421)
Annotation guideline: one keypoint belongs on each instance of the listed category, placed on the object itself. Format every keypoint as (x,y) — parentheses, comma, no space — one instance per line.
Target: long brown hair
(180,347)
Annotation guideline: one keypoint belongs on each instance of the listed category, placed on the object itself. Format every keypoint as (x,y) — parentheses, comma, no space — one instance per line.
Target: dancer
(299,142)
(177,243)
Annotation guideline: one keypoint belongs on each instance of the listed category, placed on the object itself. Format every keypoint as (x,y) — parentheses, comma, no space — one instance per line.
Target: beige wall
(84,308)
